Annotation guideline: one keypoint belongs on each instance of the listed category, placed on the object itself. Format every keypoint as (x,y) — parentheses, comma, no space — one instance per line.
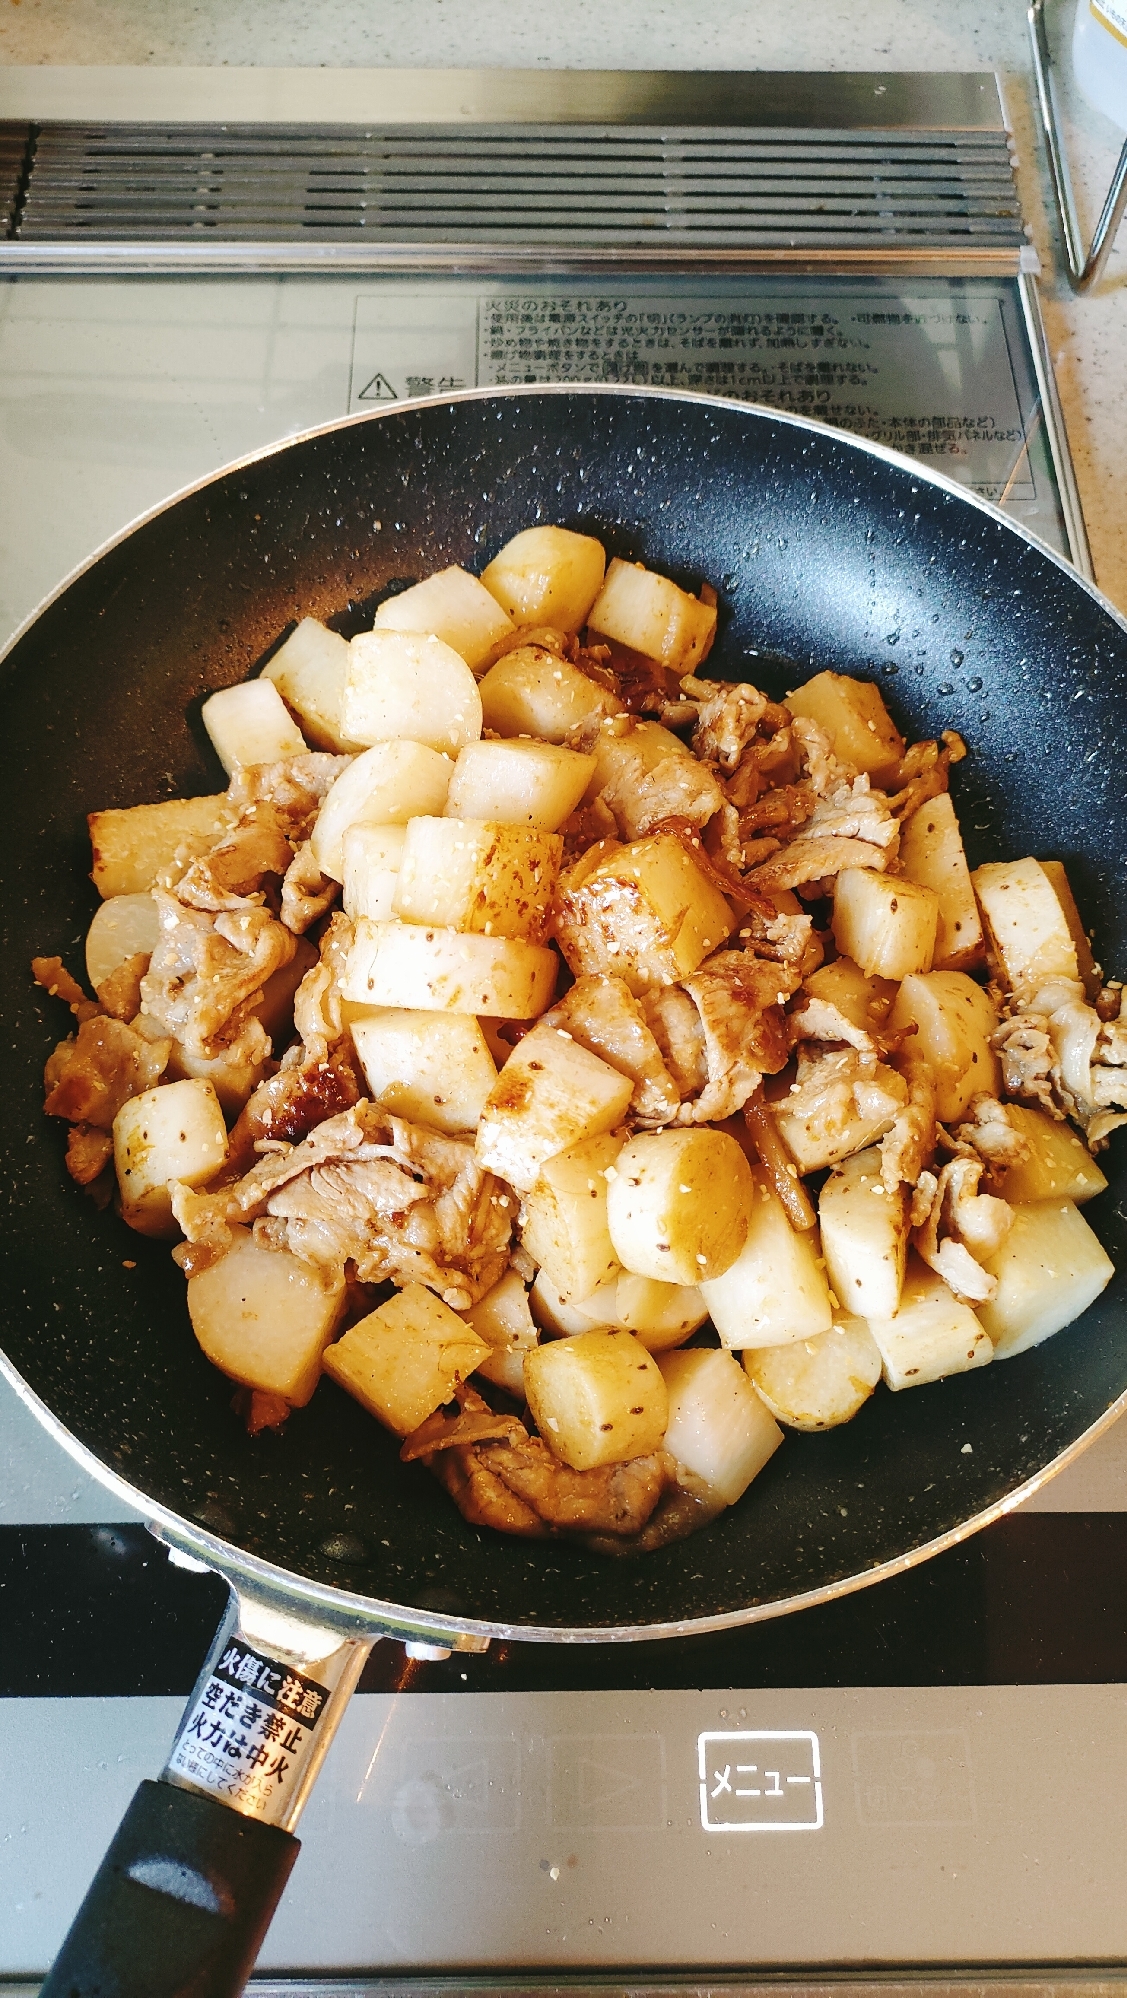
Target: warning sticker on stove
(249,1729)
(930,374)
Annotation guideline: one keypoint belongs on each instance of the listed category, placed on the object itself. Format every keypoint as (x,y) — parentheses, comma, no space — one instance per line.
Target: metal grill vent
(15,141)
(503,187)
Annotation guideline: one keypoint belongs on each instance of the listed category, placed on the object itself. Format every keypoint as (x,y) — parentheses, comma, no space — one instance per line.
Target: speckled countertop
(1088,336)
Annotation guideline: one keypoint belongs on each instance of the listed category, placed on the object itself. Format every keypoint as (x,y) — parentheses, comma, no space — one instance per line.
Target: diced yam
(564,1318)
(547,576)
(954,1019)
(308,671)
(631,744)
(406,1358)
(454,606)
(389,784)
(468,874)
(679,1205)
(1027,925)
(931,854)
(125,926)
(1058,881)
(866,1001)
(134,846)
(264,1318)
(250,723)
(864,1237)
(661,1315)
(1059,1162)
(932,1334)
(234,1073)
(1050,1268)
(442,971)
(565,1228)
(550,1095)
(532,691)
(400,686)
(644,913)
(502,1318)
(372,859)
(169,1134)
(645,774)
(834,1112)
(853,714)
(820,1382)
(596,1399)
(884,923)
(433,1070)
(718,1427)
(775,1290)
(518,783)
(651,615)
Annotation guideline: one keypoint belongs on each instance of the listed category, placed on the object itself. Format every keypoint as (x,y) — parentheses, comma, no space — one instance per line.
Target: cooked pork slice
(291,1104)
(740,1001)
(840,1101)
(306,892)
(317,1015)
(924,772)
(92,1074)
(807,860)
(821,767)
(51,973)
(601,1013)
(782,937)
(232,875)
(988,1135)
(481,1496)
(907,1149)
(962,1226)
(730,716)
(1026,1052)
(296,786)
(818,1019)
(676,1026)
(89,1151)
(207,971)
(854,811)
(119,995)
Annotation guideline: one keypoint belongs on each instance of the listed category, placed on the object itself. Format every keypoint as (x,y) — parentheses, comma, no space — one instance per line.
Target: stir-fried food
(592,1067)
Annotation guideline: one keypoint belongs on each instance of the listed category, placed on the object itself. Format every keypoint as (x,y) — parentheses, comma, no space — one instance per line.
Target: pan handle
(188,1888)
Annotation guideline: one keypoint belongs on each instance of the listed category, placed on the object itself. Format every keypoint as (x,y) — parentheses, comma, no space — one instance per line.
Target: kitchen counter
(320,57)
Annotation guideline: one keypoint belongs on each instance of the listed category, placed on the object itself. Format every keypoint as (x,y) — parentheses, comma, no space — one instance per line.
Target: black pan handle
(179,1905)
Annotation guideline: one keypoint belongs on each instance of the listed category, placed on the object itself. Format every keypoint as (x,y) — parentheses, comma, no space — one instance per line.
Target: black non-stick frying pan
(826,552)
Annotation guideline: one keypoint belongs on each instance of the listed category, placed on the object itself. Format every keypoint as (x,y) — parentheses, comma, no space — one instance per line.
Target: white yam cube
(551,1094)
(820,1382)
(451,605)
(309,671)
(372,859)
(596,1399)
(864,1237)
(251,723)
(502,1318)
(135,846)
(885,924)
(234,1073)
(776,1289)
(123,927)
(652,615)
(853,714)
(547,576)
(468,874)
(389,784)
(442,971)
(931,854)
(1050,1268)
(865,1001)
(264,1318)
(1058,880)
(1059,1162)
(532,691)
(564,1317)
(932,1335)
(718,1427)
(565,1226)
(954,1019)
(174,1133)
(679,1205)
(406,1358)
(432,1070)
(644,912)
(661,1315)
(404,687)
(1026,923)
(518,783)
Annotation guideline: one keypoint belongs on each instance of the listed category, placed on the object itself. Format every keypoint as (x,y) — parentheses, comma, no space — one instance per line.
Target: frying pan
(827,552)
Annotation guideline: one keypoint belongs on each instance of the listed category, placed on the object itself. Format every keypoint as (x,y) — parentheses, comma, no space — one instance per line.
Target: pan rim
(328,1602)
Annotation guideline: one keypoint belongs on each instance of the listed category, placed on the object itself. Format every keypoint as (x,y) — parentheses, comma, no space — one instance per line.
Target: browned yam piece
(807,860)
(475,1422)
(89,1151)
(52,974)
(784,1173)
(480,1495)
(615,1498)
(119,995)
(260,1409)
(712,864)
(132,847)
(92,1074)
(681,1510)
